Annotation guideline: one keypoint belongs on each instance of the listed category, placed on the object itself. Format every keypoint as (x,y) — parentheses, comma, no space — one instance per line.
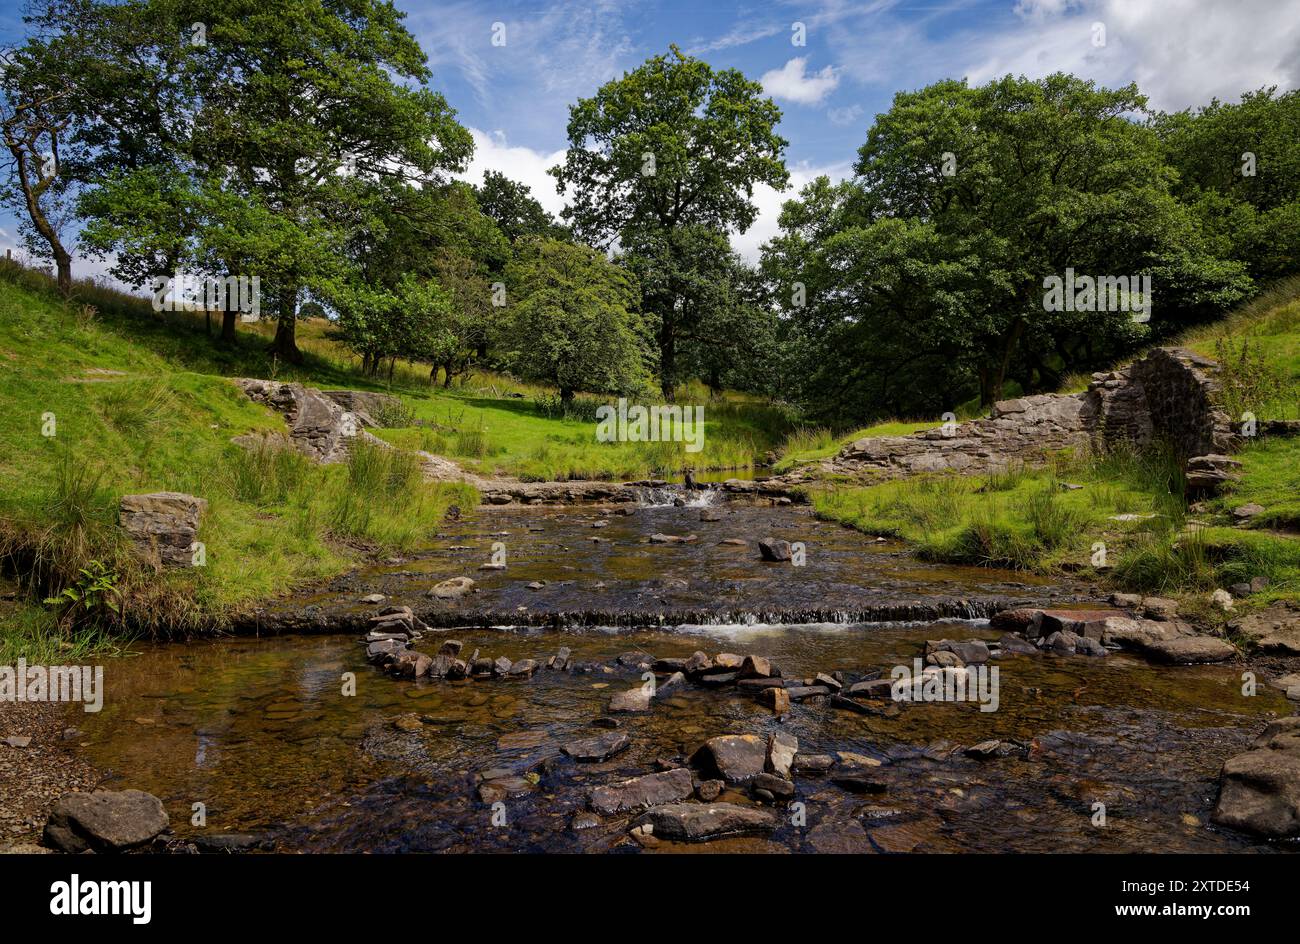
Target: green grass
(130,411)
(1258,348)
(1270,477)
(1022,518)
(140,401)
(523,437)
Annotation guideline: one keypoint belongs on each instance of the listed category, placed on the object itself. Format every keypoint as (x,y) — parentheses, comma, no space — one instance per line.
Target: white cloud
(769,203)
(792,82)
(1181,53)
(844,116)
(523,164)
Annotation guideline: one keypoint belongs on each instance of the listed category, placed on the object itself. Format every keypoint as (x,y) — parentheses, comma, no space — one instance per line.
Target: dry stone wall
(1168,395)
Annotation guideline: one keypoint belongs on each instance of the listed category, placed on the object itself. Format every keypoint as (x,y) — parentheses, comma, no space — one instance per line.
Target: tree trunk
(446,375)
(566,396)
(285,345)
(667,359)
(228,319)
(63,269)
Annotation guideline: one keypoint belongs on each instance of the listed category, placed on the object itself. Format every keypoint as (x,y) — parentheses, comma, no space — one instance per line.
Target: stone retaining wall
(1167,395)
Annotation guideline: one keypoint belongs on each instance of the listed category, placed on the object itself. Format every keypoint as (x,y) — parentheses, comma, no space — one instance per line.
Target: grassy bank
(1131,504)
(94,406)
(100,396)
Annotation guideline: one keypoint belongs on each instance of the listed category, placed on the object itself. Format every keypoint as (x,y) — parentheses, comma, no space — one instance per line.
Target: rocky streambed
(665,688)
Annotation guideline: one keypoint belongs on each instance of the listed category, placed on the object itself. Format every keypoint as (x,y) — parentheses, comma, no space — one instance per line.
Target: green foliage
(1250,208)
(91,596)
(923,286)
(574,321)
(664,160)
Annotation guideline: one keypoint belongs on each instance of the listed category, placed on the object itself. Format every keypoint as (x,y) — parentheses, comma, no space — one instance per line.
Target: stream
(259,731)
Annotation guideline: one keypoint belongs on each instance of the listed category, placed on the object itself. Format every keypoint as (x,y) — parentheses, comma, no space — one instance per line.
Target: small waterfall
(656,495)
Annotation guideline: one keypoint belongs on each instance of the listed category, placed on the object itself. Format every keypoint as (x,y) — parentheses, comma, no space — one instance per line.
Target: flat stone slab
(657,789)
(1189,650)
(734,757)
(698,822)
(599,748)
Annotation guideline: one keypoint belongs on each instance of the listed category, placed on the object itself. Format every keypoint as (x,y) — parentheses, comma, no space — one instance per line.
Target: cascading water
(669,496)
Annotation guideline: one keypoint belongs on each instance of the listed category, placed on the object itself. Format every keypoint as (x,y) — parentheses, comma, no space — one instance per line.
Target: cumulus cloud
(794,83)
(1181,53)
(769,203)
(527,166)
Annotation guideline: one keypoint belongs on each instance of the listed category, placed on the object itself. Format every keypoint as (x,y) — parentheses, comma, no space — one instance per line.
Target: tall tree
(514,208)
(965,201)
(670,146)
(574,320)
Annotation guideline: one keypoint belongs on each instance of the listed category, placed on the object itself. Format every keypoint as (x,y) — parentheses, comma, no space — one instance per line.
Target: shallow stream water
(261,733)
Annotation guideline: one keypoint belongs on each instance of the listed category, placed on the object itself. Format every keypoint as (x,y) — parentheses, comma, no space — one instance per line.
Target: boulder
(777,551)
(1189,650)
(524,668)
(1013,621)
(734,758)
(674,683)
(163,526)
(1259,791)
(105,821)
(756,667)
(596,749)
(770,788)
(452,589)
(776,698)
(384,651)
(1010,643)
(781,751)
(1274,631)
(656,789)
(697,822)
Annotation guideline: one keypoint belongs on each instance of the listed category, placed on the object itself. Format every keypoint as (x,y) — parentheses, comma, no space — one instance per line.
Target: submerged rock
(599,748)
(632,700)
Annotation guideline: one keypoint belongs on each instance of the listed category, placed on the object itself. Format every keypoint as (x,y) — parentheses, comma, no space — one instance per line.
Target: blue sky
(515,97)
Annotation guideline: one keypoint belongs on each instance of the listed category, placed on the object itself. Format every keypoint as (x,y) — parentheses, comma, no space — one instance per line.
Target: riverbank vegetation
(912,289)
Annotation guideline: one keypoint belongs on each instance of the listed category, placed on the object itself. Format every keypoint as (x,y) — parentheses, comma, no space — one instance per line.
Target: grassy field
(95,406)
(101,397)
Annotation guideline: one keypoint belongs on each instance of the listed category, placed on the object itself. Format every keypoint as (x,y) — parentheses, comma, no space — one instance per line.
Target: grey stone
(734,758)
(599,748)
(163,526)
(105,821)
(697,822)
(655,789)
